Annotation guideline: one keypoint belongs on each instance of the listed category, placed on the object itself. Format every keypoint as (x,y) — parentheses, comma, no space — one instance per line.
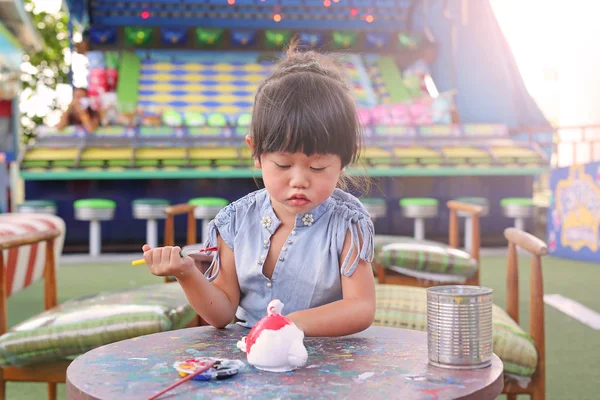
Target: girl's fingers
(146,248)
(156,255)
(165,256)
(175,258)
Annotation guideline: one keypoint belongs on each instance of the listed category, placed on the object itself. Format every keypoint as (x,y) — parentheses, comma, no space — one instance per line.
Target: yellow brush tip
(138,262)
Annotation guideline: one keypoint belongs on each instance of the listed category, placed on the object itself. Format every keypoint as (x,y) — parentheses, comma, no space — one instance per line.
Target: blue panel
(254,24)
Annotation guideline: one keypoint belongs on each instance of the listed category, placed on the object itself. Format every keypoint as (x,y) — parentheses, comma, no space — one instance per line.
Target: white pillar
(468,234)
(95,237)
(204,235)
(520,223)
(152,232)
(419,228)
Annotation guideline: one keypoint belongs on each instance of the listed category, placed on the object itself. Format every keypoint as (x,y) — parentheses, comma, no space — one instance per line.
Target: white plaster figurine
(275,343)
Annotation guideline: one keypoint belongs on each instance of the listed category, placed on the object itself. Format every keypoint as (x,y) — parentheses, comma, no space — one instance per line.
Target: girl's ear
(251,145)
(249,141)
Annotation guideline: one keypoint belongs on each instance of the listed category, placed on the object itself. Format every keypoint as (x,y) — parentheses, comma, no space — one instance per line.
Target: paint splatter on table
(379,363)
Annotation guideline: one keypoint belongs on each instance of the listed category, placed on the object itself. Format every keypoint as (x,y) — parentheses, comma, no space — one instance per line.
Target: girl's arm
(354,313)
(215,302)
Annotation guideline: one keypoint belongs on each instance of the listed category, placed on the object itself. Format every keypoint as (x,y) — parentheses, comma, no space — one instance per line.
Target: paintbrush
(187,378)
(206,250)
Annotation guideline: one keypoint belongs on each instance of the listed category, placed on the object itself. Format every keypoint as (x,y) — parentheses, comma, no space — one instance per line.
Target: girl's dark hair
(306,106)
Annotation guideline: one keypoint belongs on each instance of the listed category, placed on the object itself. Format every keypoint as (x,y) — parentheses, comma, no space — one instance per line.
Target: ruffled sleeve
(354,218)
(224,225)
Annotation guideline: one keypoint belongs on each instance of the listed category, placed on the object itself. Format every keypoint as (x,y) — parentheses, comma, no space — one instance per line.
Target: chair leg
(51,391)
(2,386)
(511,397)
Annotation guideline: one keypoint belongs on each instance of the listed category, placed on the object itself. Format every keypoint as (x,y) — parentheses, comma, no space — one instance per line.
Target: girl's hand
(166,261)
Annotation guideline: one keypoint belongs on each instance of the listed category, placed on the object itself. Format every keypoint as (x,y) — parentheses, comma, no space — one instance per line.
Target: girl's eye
(318,169)
(282,166)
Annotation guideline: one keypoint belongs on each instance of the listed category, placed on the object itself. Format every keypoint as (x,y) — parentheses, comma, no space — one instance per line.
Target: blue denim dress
(307,273)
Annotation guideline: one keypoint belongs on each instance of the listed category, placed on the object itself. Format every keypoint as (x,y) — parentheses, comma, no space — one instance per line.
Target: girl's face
(298,183)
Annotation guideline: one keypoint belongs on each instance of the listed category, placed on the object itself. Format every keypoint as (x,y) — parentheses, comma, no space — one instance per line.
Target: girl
(300,239)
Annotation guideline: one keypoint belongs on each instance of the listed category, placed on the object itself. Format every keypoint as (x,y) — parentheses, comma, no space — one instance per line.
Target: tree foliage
(46,68)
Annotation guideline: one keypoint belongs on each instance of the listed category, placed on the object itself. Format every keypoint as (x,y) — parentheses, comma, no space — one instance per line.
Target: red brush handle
(187,378)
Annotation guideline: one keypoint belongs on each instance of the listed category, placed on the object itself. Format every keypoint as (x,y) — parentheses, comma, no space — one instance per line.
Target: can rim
(459,290)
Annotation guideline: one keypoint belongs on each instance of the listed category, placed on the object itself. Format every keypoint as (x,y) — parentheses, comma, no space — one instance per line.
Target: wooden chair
(537,248)
(51,373)
(386,276)
(406,307)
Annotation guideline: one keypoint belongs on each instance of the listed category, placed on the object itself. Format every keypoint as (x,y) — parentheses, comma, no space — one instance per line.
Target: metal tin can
(459,326)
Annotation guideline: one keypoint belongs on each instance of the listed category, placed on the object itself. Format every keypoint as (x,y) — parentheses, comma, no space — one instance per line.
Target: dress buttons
(280,258)
(293,233)
(290,242)
(269,284)
(266,241)
(283,248)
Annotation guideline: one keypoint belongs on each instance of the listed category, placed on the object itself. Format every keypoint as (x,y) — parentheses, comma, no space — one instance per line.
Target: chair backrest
(17,241)
(24,265)
(537,249)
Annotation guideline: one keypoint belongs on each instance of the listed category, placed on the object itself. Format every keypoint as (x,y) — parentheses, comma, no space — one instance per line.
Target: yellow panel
(195,88)
(513,152)
(106,154)
(213,153)
(416,152)
(50,154)
(200,78)
(159,154)
(246,152)
(464,152)
(375,152)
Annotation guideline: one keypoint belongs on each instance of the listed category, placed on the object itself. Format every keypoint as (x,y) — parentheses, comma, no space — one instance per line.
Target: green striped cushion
(82,324)
(423,256)
(406,307)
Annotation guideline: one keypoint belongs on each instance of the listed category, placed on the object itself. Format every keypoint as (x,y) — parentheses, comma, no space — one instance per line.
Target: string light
(327,3)
(369,18)
(353,12)
(231,2)
(145,14)
(277,17)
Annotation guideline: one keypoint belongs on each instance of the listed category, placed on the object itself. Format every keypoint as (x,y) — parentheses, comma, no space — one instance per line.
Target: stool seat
(476,201)
(419,207)
(376,207)
(37,207)
(517,207)
(207,207)
(94,209)
(149,208)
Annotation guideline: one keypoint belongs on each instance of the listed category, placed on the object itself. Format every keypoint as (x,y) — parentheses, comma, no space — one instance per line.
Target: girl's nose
(299,179)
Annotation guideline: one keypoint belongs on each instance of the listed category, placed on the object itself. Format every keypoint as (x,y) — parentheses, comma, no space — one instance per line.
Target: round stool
(94,210)
(376,207)
(518,208)
(151,210)
(206,209)
(37,207)
(419,208)
(476,201)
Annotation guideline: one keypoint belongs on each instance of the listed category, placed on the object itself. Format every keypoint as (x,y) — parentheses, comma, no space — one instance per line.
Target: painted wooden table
(379,363)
